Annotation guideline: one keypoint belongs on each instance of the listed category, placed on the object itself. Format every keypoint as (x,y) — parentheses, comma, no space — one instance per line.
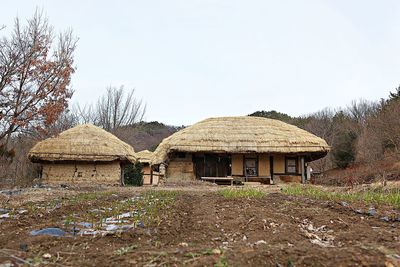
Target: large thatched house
(83,154)
(244,148)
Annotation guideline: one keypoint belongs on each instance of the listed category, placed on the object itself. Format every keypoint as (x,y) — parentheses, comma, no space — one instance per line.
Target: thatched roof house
(145,157)
(85,153)
(248,147)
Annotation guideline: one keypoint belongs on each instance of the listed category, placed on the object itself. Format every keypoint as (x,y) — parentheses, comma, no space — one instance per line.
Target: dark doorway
(212,165)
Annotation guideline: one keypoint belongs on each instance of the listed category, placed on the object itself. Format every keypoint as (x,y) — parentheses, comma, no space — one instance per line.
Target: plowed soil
(203,228)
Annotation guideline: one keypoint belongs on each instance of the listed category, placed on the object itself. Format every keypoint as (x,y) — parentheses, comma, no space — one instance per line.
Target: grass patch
(376,196)
(241,193)
(144,210)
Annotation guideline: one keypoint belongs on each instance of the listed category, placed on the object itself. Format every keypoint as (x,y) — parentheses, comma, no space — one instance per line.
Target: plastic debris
(85,224)
(385,218)
(3,216)
(371,211)
(49,231)
(11,192)
(318,235)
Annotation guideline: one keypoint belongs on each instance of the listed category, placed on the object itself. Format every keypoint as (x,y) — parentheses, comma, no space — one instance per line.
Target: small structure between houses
(249,149)
(85,154)
(150,177)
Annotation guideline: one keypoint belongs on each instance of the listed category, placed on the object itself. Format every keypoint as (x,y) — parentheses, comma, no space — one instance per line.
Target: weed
(123,250)
(376,196)
(241,193)
(221,262)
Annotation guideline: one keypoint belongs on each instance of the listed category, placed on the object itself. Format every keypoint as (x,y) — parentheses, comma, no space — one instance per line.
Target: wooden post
(303,174)
(271,168)
(122,175)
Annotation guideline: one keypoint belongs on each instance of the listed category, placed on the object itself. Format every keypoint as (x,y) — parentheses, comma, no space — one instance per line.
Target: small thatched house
(83,154)
(243,148)
(145,157)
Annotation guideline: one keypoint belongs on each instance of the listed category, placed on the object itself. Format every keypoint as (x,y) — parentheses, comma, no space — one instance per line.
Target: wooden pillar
(122,174)
(302,168)
(271,168)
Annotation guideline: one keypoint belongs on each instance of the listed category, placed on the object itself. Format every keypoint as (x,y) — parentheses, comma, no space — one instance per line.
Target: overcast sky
(193,59)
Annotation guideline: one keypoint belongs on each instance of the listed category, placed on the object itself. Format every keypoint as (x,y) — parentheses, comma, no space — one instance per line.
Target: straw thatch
(240,135)
(144,156)
(82,143)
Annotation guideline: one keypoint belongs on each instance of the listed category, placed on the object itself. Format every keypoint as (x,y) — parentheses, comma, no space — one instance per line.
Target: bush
(133,174)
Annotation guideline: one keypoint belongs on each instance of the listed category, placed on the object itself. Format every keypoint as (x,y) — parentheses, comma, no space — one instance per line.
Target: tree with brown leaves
(35,75)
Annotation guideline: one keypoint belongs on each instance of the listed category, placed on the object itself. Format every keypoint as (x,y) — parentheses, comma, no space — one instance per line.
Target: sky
(193,59)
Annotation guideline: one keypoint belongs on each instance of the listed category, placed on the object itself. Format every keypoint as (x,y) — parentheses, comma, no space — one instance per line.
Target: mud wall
(181,169)
(82,173)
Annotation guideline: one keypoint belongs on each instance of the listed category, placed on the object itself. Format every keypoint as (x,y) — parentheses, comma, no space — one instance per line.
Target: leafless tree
(85,114)
(116,109)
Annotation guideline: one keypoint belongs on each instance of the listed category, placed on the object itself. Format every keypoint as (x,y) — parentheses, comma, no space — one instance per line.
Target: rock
(49,231)
(183,244)
(344,204)
(47,256)
(260,242)
(244,238)
(359,211)
(23,247)
(216,251)
(7,264)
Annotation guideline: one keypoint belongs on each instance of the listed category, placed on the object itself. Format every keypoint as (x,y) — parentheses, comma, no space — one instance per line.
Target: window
(291,165)
(250,167)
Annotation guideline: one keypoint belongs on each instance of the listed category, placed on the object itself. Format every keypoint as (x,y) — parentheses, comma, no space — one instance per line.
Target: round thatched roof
(241,135)
(82,143)
(144,156)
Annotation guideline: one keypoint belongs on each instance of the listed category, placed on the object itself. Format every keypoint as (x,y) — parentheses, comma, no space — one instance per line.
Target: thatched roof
(241,135)
(144,156)
(82,143)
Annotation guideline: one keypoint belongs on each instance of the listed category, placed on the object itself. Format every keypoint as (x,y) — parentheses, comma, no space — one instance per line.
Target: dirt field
(195,226)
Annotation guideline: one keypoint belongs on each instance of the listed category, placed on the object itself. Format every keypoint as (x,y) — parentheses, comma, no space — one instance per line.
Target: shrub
(133,174)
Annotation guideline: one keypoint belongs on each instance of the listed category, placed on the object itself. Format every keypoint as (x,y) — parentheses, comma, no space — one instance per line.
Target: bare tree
(35,74)
(85,114)
(116,109)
